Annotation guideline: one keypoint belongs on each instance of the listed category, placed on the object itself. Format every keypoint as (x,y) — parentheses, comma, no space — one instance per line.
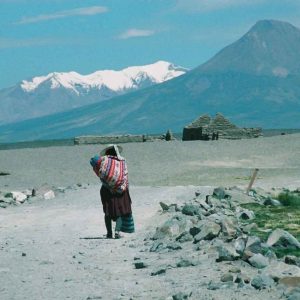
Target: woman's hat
(117,148)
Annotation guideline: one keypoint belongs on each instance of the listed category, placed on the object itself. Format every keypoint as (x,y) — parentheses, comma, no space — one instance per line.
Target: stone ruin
(207,128)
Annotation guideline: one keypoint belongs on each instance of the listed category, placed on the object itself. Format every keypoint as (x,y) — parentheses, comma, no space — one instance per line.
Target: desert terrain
(54,248)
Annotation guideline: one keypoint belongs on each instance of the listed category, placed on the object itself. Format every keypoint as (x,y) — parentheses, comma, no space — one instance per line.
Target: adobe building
(207,128)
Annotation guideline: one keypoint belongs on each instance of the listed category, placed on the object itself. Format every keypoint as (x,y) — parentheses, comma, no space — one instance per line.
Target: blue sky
(41,36)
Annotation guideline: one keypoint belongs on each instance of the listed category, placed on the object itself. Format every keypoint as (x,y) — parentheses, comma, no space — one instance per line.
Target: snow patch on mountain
(118,81)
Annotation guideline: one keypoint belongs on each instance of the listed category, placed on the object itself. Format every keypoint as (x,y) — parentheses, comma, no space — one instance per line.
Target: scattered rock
(19,197)
(49,195)
(262,281)
(157,246)
(209,231)
(239,245)
(219,193)
(289,281)
(183,263)
(195,230)
(172,228)
(292,260)
(174,246)
(234,269)
(181,296)
(229,228)
(283,239)
(272,202)
(279,269)
(253,245)
(159,271)
(184,237)
(191,210)
(140,265)
(226,253)
(164,206)
(249,227)
(246,214)
(258,261)
(227,277)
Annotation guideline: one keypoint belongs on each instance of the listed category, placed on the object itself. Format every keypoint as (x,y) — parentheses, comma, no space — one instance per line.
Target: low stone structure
(207,128)
(113,139)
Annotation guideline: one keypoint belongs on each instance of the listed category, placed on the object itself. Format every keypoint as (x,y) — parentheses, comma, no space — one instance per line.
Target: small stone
(24,254)
(174,246)
(262,281)
(292,260)
(190,210)
(140,265)
(49,195)
(239,279)
(272,202)
(234,269)
(184,237)
(249,227)
(226,277)
(213,286)
(229,228)
(164,206)
(253,244)
(226,253)
(246,214)
(219,193)
(181,296)
(240,245)
(195,230)
(157,246)
(258,261)
(185,263)
(159,271)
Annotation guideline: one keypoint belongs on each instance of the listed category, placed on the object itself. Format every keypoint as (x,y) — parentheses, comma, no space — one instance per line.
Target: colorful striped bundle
(112,171)
(127,224)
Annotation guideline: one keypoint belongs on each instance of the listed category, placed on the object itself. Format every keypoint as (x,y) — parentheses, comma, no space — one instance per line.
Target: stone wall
(114,139)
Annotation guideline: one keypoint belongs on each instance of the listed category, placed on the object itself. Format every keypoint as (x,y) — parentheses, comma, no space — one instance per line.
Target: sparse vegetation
(289,199)
(269,218)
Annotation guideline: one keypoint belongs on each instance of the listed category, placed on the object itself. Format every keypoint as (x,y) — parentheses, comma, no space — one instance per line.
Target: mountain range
(58,92)
(254,81)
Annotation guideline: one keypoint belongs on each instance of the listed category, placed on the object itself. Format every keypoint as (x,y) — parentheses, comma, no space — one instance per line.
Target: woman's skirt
(115,205)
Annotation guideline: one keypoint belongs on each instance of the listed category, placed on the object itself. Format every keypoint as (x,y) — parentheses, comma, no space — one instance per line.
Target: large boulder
(229,227)
(172,228)
(282,239)
(226,252)
(209,231)
(191,210)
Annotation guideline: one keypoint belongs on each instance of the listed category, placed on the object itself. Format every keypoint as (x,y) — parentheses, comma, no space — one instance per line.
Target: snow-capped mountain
(58,92)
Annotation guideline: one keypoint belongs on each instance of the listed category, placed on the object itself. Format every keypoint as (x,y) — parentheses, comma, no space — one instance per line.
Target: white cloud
(133,32)
(6,43)
(84,11)
(211,5)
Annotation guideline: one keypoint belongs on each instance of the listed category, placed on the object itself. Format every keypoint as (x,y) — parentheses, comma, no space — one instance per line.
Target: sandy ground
(42,253)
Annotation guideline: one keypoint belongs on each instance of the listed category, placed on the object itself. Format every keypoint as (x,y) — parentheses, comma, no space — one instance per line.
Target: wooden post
(252,180)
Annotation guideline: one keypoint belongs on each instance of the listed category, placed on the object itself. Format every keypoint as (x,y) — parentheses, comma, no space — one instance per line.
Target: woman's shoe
(109,236)
(117,235)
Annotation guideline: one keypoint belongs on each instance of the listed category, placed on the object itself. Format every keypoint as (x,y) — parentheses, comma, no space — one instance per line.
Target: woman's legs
(118,227)
(108,226)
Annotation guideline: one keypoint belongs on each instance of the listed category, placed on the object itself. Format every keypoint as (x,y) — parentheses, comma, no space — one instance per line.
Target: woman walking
(111,168)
